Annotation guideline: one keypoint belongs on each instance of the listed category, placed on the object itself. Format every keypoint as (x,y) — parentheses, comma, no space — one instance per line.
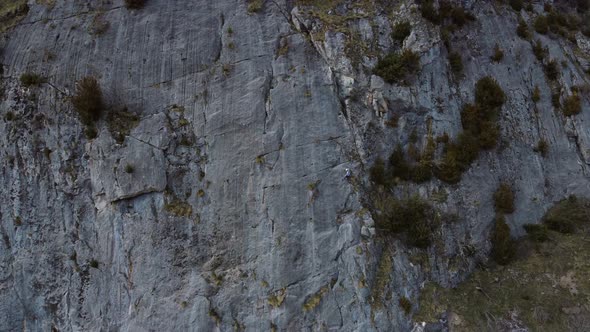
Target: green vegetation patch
(405,304)
(412,218)
(542,147)
(120,123)
(498,54)
(31,79)
(179,208)
(277,298)
(480,131)
(447,13)
(572,105)
(11,12)
(503,246)
(546,286)
(568,215)
(313,301)
(456,63)
(382,280)
(401,31)
(398,67)
(504,198)
(88,101)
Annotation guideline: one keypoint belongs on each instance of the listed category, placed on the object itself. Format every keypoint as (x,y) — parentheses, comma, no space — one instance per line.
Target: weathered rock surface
(236,213)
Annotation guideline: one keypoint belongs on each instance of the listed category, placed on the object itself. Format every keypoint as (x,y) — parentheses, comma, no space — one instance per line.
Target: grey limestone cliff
(234,212)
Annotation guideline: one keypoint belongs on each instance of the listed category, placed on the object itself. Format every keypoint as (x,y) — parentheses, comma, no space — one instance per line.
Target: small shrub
(377,173)
(552,70)
(489,135)
(88,100)
(215,316)
(445,36)
(392,120)
(488,93)
(411,216)
(401,31)
(460,16)
(539,51)
(93,263)
(429,12)
(572,105)
(504,199)
(135,4)
(312,185)
(30,79)
(398,165)
(447,11)
(405,304)
(568,215)
(456,63)
(254,6)
(498,54)
(470,117)
(90,132)
(449,169)
(413,152)
(444,138)
(503,247)
(547,7)
(129,168)
(542,147)
(556,99)
(516,5)
(422,172)
(537,233)
(178,208)
(480,131)
(541,24)
(536,94)
(313,301)
(98,26)
(226,69)
(120,122)
(398,67)
(522,30)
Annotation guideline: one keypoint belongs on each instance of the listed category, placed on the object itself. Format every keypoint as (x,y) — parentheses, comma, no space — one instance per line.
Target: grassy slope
(539,289)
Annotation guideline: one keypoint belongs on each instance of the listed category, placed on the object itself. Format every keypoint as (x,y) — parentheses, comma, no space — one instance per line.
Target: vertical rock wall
(236,213)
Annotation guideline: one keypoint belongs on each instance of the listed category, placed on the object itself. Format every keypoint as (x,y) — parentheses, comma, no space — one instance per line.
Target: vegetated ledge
(11,12)
(544,289)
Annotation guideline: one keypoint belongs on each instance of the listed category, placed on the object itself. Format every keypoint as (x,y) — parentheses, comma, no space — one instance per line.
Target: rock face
(226,206)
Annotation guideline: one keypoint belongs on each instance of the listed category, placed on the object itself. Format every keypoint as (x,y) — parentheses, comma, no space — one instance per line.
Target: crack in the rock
(319,141)
(138,194)
(268,103)
(144,142)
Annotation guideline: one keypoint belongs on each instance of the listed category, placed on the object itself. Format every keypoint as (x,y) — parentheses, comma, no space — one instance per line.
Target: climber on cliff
(348,174)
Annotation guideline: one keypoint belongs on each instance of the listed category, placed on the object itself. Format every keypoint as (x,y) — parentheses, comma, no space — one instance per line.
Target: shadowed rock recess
(208,191)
